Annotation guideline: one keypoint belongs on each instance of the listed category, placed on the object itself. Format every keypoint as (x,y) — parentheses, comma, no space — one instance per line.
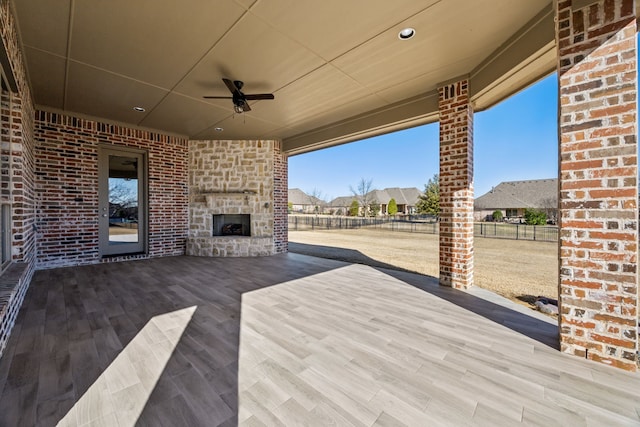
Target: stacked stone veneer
(456,185)
(233,177)
(598,181)
(67,188)
(16,175)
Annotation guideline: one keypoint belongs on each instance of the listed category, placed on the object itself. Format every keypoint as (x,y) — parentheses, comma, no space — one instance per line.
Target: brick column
(280,199)
(456,185)
(598,189)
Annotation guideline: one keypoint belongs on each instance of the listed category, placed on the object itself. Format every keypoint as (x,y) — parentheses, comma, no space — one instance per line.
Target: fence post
(517,231)
(534,232)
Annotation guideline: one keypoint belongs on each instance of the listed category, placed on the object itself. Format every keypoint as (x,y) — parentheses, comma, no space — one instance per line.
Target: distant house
(406,199)
(513,197)
(301,202)
(340,205)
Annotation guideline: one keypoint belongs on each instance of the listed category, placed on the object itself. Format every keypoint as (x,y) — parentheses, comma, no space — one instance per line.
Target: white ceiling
(337,68)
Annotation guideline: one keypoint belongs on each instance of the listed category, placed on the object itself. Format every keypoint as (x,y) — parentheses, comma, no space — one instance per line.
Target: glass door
(122,201)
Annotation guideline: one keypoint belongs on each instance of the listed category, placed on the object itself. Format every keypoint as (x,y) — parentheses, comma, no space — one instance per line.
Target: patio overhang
(338,70)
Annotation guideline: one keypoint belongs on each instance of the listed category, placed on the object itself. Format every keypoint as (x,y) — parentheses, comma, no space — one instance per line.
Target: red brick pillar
(280,199)
(456,185)
(598,189)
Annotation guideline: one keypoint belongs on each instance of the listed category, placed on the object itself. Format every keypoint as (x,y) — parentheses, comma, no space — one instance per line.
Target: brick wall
(280,200)
(17,144)
(67,188)
(22,181)
(236,177)
(598,189)
(16,175)
(456,186)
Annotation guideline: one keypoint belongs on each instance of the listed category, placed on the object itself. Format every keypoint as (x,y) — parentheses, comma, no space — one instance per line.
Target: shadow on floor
(498,309)
(89,339)
(151,342)
(341,254)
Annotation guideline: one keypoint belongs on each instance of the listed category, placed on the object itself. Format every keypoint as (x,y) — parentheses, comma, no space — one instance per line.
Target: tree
(354,208)
(123,198)
(497,215)
(363,193)
(429,201)
(290,207)
(315,200)
(535,217)
(550,207)
(392,208)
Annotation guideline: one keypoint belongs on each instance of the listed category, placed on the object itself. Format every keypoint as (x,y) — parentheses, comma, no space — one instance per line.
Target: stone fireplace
(231,198)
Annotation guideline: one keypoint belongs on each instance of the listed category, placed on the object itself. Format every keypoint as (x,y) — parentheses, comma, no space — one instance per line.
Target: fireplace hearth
(232,225)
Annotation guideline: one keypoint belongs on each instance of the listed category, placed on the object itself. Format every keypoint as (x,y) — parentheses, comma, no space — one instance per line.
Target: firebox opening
(232,225)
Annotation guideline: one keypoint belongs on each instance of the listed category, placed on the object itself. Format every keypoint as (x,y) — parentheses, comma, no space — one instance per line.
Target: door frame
(142,246)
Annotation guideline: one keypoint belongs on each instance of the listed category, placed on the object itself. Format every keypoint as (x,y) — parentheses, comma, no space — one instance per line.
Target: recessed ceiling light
(218,129)
(406,33)
(139,109)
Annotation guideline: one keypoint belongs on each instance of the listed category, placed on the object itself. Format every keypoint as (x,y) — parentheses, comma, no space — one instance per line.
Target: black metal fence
(422,224)
(544,233)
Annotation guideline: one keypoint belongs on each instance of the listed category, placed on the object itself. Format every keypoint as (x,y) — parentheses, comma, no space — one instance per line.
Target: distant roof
(403,196)
(299,197)
(343,201)
(536,193)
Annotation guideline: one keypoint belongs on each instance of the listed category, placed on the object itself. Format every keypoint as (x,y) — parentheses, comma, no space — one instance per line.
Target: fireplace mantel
(229,193)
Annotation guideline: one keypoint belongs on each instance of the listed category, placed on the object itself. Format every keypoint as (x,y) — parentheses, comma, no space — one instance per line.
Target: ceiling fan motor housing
(238,101)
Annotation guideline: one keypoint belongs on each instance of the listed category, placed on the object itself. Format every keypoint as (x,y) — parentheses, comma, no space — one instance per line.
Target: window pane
(123,200)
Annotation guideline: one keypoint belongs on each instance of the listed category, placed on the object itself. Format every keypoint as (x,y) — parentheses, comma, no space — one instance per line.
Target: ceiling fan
(240,104)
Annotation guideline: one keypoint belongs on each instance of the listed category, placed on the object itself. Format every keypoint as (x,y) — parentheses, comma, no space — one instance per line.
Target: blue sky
(514,140)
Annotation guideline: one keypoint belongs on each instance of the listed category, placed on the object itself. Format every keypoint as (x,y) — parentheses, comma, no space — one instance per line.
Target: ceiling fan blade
(231,86)
(245,106)
(218,97)
(256,96)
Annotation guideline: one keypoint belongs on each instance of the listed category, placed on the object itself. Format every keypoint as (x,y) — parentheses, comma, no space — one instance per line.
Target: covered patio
(147,217)
(290,340)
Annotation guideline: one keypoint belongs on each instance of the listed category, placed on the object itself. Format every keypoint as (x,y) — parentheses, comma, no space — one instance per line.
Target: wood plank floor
(290,340)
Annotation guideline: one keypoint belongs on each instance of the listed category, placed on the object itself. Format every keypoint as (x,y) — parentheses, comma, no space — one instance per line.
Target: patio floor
(290,340)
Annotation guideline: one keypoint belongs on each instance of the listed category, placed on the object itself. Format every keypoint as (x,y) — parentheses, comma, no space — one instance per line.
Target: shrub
(392,209)
(497,215)
(535,217)
(354,208)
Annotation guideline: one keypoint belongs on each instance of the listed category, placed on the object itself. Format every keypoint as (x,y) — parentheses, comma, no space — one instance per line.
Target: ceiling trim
(107,121)
(419,110)
(67,64)
(524,58)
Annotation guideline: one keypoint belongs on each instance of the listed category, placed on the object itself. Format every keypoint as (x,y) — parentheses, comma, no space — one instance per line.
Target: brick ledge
(14,282)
